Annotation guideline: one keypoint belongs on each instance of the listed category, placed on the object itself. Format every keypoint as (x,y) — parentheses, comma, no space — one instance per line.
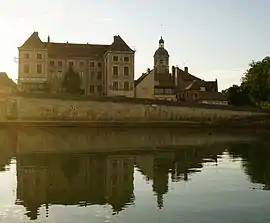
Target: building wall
(89,69)
(145,89)
(120,78)
(29,58)
(55,109)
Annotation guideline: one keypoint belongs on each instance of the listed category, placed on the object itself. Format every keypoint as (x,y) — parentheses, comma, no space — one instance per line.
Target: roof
(5,80)
(210,95)
(197,84)
(161,52)
(119,45)
(142,77)
(33,42)
(74,49)
(186,75)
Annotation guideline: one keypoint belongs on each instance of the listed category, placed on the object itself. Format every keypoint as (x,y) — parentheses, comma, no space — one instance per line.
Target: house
(7,85)
(157,83)
(104,70)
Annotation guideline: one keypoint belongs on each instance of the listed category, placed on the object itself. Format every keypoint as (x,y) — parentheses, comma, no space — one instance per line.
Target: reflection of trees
(74,180)
(256,161)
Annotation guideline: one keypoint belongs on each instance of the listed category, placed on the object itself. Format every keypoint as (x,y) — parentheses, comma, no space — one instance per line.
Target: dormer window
(202,88)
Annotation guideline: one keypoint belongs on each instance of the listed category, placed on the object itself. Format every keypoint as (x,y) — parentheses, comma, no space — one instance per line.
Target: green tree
(257,80)
(237,95)
(72,82)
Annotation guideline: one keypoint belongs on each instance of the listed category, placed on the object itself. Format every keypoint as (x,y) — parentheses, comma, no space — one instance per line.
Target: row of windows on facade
(39,70)
(163,91)
(39,57)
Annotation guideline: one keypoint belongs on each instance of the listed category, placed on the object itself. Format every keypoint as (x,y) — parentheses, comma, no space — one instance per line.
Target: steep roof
(33,42)
(142,77)
(197,84)
(5,80)
(119,45)
(74,49)
(186,75)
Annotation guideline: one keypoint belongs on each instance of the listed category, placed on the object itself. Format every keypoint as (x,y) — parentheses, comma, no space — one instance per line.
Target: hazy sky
(214,38)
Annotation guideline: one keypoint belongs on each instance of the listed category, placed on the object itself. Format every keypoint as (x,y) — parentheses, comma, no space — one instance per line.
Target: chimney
(186,69)
(115,38)
(49,39)
(173,75)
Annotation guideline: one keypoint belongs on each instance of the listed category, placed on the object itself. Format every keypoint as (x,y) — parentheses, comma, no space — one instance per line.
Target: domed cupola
(161,57)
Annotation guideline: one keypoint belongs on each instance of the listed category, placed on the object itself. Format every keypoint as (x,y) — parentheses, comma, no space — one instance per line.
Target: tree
(257,80)
(237,95)
(72,82)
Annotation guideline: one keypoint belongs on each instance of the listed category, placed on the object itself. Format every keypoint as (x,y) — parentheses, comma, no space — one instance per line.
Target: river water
(141,175)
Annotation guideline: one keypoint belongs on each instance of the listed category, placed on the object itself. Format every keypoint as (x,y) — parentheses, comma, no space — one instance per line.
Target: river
(134,175)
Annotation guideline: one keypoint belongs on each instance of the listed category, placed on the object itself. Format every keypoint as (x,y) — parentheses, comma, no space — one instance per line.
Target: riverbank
(139,124)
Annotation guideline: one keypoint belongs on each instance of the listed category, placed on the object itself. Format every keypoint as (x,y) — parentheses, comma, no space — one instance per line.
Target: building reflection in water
(8,143)
(98,179)
(159,166)
(104,178)
(76,179)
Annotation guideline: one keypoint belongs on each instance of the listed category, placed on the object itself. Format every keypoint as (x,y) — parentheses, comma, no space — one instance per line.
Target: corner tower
(161,58)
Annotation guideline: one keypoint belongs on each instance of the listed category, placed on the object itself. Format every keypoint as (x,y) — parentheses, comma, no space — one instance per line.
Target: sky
(214,38)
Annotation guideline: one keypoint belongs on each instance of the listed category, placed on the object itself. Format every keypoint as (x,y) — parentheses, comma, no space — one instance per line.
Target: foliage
(236,95)
(257,80)
(72,82)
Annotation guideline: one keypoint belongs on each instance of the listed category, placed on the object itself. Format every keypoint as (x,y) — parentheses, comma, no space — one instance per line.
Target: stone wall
(26,108)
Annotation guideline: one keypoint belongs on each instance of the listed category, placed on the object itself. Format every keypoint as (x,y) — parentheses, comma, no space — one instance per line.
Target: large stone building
(180,85)
(106,70)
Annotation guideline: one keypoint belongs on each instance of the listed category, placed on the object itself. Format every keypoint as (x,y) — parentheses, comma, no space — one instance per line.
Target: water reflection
(90,179)
(102,174)
(256,161)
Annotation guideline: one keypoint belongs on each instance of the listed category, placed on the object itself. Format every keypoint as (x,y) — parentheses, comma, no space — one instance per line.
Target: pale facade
(104,70)
(157,83)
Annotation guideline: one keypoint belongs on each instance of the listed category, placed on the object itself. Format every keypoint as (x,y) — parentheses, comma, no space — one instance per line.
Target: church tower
(161,58)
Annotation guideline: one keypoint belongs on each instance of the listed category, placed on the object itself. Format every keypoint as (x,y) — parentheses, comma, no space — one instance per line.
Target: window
(126,70)
(60,63)
(126,59)
(39,56)
(52,63)
(26,56)
(126,85)
(115,58)
(39,68)
(99,75)
(202,88)
(92,64)
(115,85)
(158,91)
(81,64)
(99,88)
(81,75)
(115,71)
(91,89)
(70,64)
(161,62)
(99,65)
(52,74)
(26,68)
(59,74)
